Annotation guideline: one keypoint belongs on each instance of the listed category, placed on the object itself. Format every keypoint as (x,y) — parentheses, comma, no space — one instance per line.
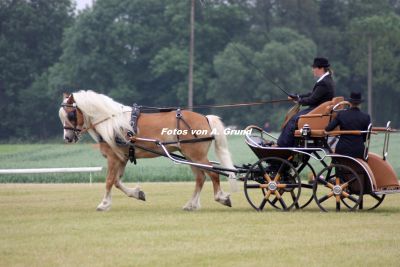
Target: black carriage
(283,174)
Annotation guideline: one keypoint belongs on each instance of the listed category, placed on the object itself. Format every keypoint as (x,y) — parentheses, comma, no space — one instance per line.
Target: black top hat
(320,62)
(355,98)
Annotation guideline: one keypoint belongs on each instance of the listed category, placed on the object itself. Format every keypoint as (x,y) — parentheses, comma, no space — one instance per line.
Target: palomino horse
(105,120)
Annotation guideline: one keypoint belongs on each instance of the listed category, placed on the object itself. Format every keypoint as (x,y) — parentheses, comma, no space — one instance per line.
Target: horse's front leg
(130,192)
(112,175)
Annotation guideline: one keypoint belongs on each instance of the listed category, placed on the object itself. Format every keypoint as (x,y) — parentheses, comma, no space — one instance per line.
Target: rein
(79,132)
(92,126)
(149,108)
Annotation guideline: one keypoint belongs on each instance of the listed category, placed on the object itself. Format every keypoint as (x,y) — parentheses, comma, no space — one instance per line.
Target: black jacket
(351,119)
(323,91)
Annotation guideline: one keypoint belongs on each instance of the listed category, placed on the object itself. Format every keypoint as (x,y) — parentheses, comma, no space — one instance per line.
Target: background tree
(285,60)
(30,38)
(137,51)
(377,37)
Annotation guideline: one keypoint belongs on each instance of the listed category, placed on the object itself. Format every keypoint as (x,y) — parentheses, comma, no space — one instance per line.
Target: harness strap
(134,117)
(202,139)
(179,118)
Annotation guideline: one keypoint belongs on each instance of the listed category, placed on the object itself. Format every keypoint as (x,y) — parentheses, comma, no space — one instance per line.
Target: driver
(323,90)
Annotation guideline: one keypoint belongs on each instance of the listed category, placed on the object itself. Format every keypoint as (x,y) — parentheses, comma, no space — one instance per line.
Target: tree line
(138,51)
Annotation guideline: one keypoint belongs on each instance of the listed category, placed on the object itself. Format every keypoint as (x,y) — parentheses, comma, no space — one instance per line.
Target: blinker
(72,116)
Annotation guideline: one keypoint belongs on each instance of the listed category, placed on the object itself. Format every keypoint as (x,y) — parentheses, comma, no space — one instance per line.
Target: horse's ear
(70,99)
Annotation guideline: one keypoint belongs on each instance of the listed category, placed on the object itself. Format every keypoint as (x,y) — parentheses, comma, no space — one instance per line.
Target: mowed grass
(57,225)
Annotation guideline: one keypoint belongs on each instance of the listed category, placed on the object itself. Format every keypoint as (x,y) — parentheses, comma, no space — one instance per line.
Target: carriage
(282,177)
(285,177)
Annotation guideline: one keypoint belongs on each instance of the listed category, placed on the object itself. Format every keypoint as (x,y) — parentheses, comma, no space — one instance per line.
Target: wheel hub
(272,186)
(337,190)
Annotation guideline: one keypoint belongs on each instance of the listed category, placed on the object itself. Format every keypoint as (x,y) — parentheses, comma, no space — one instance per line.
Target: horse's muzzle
(68,140)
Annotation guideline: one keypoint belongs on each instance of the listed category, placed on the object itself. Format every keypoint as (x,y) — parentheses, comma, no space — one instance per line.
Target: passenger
(323,90)
(351,119)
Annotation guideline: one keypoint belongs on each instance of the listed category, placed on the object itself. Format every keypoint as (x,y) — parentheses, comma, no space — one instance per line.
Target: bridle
(74,116)
(72,119)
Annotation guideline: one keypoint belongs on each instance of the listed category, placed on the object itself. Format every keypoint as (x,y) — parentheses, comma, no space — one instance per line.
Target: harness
(134,119)
(136,111)
(135,114)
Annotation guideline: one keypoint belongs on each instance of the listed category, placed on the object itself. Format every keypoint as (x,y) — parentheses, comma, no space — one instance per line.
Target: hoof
(228,203)
(142,196)
(190,207)
(223,198)
(187,209)
(102,207)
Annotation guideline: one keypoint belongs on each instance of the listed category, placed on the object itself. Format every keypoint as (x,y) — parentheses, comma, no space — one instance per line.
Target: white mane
(111,119)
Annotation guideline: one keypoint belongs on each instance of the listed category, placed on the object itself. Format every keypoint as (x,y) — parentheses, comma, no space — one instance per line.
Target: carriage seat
(318,118)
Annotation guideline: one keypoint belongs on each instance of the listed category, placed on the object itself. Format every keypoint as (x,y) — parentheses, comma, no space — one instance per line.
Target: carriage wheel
(306,170)
(272,180)
(369,202)
(337,183)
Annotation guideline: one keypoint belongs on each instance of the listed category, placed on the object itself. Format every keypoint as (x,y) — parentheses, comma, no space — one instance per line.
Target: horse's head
(72,119)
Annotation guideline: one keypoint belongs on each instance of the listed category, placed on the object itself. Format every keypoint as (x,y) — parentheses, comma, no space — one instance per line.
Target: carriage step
(387,190)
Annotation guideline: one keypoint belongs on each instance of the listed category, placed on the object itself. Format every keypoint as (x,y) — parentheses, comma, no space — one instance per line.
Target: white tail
(221,145)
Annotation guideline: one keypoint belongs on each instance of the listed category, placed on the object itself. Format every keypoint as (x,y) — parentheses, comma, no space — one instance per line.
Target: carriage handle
(371,130)
(261,131)
(341,103)
(386,141)
(367,142)
(349,132)
(388,130)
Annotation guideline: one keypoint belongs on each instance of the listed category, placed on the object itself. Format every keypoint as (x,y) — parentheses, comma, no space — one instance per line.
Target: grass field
(57,225)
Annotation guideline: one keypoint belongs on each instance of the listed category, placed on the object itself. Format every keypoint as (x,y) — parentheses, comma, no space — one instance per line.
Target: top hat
(355,98)
(320,62)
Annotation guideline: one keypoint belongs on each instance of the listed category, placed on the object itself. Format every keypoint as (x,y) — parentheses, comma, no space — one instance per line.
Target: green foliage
(137,51)
(383,31)
(284,60)
(30,38)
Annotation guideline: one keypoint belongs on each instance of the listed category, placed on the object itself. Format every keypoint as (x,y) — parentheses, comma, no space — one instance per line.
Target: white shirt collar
(323,76)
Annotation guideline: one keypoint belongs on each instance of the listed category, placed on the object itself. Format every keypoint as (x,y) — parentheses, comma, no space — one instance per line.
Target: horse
(108,121)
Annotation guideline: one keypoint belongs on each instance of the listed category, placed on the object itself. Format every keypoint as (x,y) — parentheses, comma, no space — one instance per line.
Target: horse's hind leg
(130,192)
(219,195)
(194,202)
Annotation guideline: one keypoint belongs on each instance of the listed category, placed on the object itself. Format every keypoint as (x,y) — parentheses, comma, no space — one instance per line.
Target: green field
(57,225)
(148,170)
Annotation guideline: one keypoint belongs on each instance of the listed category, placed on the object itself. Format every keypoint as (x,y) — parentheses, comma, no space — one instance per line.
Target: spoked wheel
(369,202)
(337,184)
(272,180)
(307,172)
